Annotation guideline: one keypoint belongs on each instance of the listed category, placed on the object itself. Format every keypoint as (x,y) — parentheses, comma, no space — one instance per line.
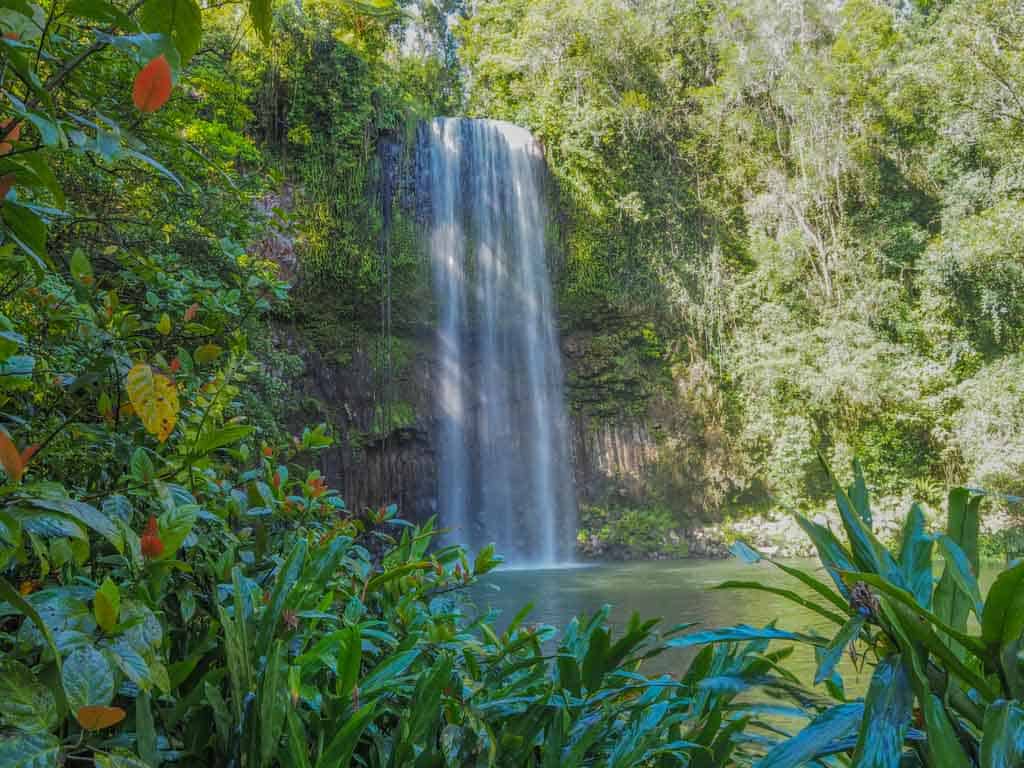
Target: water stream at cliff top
(504,471)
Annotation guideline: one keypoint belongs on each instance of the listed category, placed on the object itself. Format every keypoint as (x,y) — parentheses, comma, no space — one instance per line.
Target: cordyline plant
(946,689)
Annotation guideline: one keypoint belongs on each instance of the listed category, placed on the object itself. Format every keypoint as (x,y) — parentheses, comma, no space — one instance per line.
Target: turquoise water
(675,591)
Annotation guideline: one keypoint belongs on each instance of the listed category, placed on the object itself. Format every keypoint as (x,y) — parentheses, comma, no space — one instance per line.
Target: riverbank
(652,533)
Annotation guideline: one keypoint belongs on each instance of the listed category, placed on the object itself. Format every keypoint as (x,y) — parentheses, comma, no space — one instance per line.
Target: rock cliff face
(373,378)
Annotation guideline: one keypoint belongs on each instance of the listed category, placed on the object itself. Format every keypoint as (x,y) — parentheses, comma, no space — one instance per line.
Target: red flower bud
(150,541)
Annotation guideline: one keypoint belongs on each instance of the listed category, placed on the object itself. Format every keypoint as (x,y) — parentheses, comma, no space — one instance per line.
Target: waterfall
(504,473)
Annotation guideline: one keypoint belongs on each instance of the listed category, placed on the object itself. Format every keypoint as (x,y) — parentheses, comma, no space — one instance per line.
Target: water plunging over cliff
(504,473)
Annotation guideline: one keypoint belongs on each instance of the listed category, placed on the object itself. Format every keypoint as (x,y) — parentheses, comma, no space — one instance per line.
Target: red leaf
(10,459)
(190,313)
(153,85)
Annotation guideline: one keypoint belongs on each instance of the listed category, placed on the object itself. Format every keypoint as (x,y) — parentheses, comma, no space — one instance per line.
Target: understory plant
(946,660)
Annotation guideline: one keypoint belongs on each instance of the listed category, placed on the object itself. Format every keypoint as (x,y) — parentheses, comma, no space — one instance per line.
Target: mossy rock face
(615,371)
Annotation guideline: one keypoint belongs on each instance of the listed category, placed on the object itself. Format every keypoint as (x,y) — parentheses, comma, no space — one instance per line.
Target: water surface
(676,591)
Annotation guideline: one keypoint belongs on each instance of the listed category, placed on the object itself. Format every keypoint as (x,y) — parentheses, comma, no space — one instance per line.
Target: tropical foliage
(945,689)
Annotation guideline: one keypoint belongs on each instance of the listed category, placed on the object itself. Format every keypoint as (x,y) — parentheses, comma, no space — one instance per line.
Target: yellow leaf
(207,353)
(154,399)
(164,326)
(98,718)
(10,458)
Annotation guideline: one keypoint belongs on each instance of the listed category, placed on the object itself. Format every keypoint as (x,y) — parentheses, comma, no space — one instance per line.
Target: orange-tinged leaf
(190,313)
(10,458)
(153,85)
(98,718)
(9,133)
(27,454)
(154,398)
(6,182)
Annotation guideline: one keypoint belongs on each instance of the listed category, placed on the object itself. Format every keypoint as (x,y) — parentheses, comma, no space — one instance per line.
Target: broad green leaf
(384,674)
(834,650)
(830,726)
(81,268)
(832,554)
(145,730)
(340,748)
(1002,745)
(859,494)
(106,606)
(965,579)
(887,710)
(12,596)
(951,604)
(944,746)
(273,704)
(915,557)
(181,20)
(1003,615)
(741,633)
(221,437)
(27,230)
(790,595)
(88,678)
(83,513)
(25,702)
(29,750)
(287,577)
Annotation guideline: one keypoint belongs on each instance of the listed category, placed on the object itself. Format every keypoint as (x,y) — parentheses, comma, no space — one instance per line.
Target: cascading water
(504,472)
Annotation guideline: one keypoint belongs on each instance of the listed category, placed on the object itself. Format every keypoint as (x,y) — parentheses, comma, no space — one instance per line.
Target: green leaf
(915,557)
(25,702)
(832,554)
(273,704)
(887,710)
(943,744)
(868,552)
(106,607)
(181,20)
(29,750)
(384,674)
(86,514)
(740,633)
(145,730)
(1002,745)
(11,595)
(219,438)
(88,678)
(950,603)
(27,230)
(816,738)
(175,526)
(834,650)
(1002,618)
(790,595)
(81,268)
(339,750)
(349,661)
(965,580)
(287,577)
